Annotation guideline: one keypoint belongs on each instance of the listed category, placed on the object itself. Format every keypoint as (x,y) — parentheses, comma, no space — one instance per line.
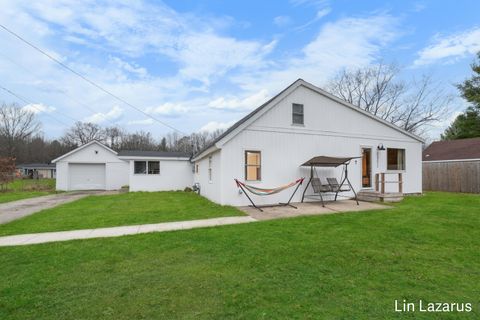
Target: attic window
(297,113)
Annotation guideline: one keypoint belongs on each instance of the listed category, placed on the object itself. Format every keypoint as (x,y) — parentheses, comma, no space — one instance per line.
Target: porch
(310,208)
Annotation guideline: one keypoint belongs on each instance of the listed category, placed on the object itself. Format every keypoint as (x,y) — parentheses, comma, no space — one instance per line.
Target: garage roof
(159,154)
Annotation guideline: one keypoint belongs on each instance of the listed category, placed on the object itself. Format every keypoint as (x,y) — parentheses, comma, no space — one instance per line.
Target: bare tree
(114,136)
(7,172)
(83,132)
(377,89)
(138,141)
(16,125)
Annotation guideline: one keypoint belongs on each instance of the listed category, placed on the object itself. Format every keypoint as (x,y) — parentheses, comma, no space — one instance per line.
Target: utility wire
(88,80)
(33,105)
(62,92)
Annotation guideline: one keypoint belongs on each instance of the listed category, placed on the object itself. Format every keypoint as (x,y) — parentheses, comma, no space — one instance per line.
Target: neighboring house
(265,149)
(452,165)
(95,166)
(37,170)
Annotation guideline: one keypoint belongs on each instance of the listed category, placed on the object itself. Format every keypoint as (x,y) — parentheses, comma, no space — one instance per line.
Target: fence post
(376,182)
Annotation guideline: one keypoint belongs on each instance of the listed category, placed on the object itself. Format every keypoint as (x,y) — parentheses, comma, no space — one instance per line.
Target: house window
(153,167)
(395,159)
(297,113)
(210,169)
(253,167)
(140,167)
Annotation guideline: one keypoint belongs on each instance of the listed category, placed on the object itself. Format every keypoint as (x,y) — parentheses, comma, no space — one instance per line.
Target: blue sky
(201,65)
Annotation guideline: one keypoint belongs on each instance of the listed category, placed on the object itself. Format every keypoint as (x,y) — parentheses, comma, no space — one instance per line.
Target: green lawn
(27,188)
(342,266)
(120,209)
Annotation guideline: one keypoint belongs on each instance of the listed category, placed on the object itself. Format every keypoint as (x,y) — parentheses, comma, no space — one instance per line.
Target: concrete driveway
(18,209)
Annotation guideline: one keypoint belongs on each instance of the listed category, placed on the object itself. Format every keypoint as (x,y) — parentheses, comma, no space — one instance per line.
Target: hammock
(268,191)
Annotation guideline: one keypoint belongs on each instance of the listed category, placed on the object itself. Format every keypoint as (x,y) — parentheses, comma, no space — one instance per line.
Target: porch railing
(380,181)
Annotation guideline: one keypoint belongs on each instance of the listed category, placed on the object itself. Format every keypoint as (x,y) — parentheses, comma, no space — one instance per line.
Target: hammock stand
(266,192)
(333,186)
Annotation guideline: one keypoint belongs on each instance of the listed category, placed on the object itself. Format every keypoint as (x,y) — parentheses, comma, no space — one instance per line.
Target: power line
(65,94)
(88,80)
(33,105)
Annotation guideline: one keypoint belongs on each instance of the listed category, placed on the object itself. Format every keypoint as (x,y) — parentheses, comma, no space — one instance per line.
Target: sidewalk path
(34,238)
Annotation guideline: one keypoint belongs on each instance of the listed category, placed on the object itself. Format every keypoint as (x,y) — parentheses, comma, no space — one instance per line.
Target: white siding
(330,129)
(116,170)
(174,175)
(210,189)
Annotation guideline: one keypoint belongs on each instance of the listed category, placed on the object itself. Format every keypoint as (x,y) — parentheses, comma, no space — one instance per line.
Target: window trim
(146,168)
(298,114)
(404,160)
(246,165)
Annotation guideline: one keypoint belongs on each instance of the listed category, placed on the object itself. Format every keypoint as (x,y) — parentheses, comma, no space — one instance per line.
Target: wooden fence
(457,176)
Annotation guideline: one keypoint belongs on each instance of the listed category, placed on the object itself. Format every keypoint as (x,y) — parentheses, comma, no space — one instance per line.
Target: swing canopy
(323,161)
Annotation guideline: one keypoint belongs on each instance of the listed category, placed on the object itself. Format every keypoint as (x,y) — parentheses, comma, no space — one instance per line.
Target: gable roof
(84,146)
(462,149)
(236,127)
(156,154)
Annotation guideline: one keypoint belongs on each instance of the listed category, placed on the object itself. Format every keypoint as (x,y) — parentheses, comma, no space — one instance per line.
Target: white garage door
(87,176)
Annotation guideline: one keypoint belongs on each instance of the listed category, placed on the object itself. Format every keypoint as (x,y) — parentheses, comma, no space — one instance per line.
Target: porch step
(375,196)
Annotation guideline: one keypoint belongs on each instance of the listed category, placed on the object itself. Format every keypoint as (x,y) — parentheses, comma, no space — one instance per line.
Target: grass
(120,209)
(27,188)
(342,266)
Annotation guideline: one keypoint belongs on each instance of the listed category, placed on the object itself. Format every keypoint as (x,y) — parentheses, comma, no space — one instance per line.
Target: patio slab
(311,208)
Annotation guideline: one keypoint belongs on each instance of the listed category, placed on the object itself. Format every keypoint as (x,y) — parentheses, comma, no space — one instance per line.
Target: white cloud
(282,21)
(344,43)
(450,47)
(214,125)
(114,114)
(234,103)
(142,122)
(320,14)
(203,56)
(38,108)
(168,109)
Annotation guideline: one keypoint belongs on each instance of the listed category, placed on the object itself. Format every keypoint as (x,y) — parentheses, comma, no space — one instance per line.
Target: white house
(94,166)
(264,149)
(267,147)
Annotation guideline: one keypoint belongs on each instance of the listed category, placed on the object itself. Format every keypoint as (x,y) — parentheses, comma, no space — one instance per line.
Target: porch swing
(332,186)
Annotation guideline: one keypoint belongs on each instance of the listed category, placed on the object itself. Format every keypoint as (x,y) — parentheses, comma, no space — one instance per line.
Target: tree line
(21,138)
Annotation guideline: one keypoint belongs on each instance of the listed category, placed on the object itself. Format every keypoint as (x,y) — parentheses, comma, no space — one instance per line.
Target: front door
(366,167)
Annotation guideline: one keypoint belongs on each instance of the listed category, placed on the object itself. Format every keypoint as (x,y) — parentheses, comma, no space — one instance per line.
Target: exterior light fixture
(381,147)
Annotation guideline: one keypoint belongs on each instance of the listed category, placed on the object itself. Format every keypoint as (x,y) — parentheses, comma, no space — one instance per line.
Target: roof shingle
(453,150)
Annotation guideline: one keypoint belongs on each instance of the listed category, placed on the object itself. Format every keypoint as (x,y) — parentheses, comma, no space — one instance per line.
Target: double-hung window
(253,166)
(297,113)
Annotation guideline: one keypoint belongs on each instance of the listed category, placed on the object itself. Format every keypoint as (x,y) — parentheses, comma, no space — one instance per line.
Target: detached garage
(92,166)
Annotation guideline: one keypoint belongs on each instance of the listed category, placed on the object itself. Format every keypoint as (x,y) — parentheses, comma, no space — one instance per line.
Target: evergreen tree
(467,125)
